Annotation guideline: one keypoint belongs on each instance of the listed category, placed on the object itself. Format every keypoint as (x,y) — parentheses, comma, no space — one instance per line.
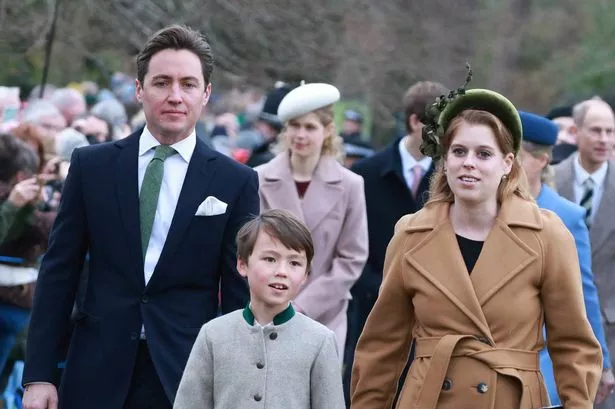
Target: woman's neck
(302,167)
(473,221)
(535,187)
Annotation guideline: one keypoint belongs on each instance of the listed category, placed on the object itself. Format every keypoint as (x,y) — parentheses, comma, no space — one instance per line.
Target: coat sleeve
(234,289)
(574,350)
(325,292)
(590,292)
(58,280)
(197,384)
(326,377)
(384,345)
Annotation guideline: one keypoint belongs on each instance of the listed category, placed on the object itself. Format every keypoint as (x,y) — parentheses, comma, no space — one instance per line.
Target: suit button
(273,336)
(145,299)
(258,397)
(447,385)
(134,335)
(482,387)
(260,365)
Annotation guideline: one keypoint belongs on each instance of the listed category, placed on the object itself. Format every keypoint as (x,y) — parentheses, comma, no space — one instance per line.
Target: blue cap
(352,115)
(538,129)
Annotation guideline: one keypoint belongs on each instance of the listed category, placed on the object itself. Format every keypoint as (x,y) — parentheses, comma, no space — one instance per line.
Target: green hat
(440,114)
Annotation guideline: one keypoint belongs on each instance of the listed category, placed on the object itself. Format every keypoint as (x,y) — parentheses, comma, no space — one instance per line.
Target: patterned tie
(150,189)
(586,200)
(417,174)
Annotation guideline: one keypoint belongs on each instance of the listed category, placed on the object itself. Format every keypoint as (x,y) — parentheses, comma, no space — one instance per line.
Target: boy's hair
(279,224)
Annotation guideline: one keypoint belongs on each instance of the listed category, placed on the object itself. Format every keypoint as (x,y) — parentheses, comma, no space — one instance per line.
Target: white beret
(307,98)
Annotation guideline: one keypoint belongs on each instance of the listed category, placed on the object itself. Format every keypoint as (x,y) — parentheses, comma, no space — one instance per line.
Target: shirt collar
(581,174)
(185,147)
(408,161)
(279,319)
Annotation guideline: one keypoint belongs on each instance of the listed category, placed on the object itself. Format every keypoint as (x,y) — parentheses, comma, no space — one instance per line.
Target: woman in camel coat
(307,180)
(472,278)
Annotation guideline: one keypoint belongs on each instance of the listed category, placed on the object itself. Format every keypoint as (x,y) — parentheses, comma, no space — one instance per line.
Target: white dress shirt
(598,177)
(408,162)
(175,168)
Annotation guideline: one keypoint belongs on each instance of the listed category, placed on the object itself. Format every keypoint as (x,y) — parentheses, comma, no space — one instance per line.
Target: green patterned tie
(150,189)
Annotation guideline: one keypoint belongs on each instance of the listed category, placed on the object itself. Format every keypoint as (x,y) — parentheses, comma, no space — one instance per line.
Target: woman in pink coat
(307,179)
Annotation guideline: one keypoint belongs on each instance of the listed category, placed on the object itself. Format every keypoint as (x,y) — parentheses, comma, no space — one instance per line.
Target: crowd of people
(161,254)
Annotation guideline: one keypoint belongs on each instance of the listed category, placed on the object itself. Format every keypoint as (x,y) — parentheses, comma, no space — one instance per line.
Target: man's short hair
(176,37)
(418,97)
(281,225)
(16,156)
(579,111)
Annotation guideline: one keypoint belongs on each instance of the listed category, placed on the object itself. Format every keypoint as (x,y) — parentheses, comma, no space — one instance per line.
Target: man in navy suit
(539,137)
(157,213)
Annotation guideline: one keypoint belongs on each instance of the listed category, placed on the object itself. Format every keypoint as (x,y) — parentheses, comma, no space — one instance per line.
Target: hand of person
(606,387)
(52,166)
(25,192)
(40,396)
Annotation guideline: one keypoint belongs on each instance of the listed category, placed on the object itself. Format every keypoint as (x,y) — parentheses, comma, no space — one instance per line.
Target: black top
(470,250)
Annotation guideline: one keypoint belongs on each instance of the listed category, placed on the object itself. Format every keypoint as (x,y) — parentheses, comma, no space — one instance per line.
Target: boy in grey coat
(266,355)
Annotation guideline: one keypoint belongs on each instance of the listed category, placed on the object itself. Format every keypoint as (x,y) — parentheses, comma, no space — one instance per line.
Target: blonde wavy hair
(333,144)
(515,182)
(548,173)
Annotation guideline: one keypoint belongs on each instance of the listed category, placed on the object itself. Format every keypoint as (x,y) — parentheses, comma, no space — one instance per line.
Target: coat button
(145,299)
(260,365)
(134,335)
(482,387)
(447,385)
(273,336)
(258,397)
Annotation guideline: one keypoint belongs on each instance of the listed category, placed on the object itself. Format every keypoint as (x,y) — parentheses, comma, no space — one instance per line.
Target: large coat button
(273,336)
(482,387)
(447,385)
(258,397)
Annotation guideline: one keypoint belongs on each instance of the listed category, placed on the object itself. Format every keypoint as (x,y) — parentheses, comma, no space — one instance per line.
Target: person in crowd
(454,270)
(48,121)
(157,214)
(307,179)
(539,138)
(30,135)
(24,231)
(587,178)
(70,102)
(266,353)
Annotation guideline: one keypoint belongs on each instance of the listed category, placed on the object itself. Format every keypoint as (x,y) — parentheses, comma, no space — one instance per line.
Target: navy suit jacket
(573,217)
(99,216)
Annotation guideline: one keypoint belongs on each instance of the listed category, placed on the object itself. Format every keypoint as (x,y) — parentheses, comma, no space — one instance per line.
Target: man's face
(351,127)
(173,94)
(565,125)
(595,137)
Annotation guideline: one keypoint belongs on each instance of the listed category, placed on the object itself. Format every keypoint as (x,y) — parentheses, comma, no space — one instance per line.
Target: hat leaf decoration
(433,131)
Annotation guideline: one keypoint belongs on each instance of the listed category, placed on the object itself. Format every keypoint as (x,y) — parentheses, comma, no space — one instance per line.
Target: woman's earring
(504,177)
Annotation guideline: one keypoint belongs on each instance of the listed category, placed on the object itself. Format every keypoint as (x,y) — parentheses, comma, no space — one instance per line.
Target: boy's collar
(279,319)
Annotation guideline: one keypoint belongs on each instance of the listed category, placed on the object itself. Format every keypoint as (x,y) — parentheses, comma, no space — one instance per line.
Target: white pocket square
(211,206)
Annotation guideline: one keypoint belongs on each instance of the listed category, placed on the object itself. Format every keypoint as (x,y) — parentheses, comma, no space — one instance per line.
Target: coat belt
(440,350)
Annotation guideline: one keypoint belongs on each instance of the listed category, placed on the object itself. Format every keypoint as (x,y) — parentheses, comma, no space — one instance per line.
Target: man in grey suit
(588,178)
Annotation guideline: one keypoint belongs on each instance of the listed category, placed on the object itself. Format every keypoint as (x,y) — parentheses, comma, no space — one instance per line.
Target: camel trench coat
(333,208)
(478,336)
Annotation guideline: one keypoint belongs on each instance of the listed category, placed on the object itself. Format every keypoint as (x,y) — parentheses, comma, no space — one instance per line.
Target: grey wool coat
(236,363)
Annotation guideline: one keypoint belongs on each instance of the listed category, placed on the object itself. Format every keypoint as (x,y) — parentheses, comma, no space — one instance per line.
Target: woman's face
(305,135)
(533,164)
(475,164)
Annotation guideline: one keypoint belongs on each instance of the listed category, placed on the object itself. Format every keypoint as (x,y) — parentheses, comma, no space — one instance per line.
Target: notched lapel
(503,257)
(446,271)
(603,223)
(324,193)
(201,171)
(127,184)
(278,188)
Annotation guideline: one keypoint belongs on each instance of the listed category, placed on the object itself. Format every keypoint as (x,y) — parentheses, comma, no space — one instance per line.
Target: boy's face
(275,273)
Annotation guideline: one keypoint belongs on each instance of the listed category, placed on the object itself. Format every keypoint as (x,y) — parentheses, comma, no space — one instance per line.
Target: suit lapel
(278,187)
(200,173)
(127,185)
(324,192)
(564,175)
(604,224)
